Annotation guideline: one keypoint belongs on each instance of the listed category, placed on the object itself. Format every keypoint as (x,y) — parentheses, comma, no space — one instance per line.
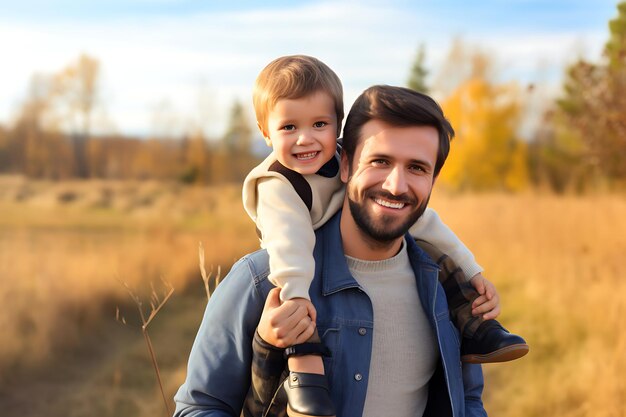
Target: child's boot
(483,341)
(492,343)
(308,394)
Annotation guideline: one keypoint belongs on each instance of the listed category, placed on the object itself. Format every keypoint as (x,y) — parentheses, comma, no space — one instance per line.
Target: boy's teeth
(307,155)
(389,204)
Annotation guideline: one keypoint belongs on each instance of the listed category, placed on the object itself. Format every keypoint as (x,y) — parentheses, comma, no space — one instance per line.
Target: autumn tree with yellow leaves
(486,153)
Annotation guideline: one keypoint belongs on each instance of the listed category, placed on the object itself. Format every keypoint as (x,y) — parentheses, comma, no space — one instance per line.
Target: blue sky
(168,65)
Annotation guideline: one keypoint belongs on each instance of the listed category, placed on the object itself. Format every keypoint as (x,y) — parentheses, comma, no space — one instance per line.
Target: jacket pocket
(330,335)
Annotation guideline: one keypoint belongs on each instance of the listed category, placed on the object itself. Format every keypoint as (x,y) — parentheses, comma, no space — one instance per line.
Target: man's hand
(286,324)
(488,303)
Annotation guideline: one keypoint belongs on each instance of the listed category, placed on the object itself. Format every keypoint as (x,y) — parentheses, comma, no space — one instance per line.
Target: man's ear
(268,141)
(344,167)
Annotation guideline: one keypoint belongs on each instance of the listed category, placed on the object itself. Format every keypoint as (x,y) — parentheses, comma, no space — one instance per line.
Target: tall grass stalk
(156,303)
(206,278)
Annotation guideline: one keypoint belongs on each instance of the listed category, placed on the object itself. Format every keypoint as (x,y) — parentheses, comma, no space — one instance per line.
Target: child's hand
(488,303)
(286,324)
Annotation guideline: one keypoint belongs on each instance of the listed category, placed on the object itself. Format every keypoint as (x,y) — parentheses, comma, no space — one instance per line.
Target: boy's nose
(395,182)
(304,138)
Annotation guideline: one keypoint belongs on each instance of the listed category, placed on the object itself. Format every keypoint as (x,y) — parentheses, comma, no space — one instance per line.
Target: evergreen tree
(237,145)
(417,77)
(238,133)
(592,111)
(615,48)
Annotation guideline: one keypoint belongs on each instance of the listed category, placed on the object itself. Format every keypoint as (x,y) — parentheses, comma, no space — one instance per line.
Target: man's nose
(395,182)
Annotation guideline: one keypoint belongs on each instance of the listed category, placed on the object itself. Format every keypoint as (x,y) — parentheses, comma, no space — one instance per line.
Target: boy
(298,102)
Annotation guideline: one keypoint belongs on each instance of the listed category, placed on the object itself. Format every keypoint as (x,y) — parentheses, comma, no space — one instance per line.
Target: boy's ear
(268,141)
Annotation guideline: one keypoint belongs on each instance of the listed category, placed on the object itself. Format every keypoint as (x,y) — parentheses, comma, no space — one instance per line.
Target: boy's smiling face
(303,132)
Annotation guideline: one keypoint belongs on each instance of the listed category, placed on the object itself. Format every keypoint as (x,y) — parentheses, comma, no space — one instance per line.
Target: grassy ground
(110,373)
(556,262)
(62,258)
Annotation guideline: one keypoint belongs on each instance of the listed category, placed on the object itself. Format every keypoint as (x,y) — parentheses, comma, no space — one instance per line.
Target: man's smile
(387,201)
(389,204)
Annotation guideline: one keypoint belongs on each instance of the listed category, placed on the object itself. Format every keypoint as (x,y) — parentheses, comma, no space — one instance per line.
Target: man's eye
(319,124)
(289,127)
(379,162)
(417,168)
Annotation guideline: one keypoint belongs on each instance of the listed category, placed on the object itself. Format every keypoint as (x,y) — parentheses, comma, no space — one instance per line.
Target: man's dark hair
(397,106)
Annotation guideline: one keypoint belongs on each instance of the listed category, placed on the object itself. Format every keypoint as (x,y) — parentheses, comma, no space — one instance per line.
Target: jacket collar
(426,277)
(335,274)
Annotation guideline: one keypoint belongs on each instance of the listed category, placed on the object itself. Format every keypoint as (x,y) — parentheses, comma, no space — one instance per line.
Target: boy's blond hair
(293,77)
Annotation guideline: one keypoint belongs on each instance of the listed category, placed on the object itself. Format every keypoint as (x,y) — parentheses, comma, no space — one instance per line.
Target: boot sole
(292,413)
(506,354)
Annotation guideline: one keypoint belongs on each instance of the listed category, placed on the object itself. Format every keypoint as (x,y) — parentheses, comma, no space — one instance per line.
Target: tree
(417,76)
(486,153)
(238,133)
(29,127)
(5,151)
(615,48)
(55,105)
(75,98)
(39,149)
(561,156)
(592,109)
(556,156)
(196,156)
(236,146)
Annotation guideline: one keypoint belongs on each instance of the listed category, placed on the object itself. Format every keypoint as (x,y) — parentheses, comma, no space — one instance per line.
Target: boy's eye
(289,127)
(319,124)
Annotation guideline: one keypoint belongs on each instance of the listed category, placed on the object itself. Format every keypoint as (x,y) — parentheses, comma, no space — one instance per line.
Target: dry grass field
(65,247)
(557,262)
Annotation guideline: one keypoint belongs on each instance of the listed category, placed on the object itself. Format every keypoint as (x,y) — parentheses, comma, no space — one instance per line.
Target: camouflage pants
(459,292)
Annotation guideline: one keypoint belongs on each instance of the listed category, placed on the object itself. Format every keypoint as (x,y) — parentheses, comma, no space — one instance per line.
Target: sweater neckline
(361,265)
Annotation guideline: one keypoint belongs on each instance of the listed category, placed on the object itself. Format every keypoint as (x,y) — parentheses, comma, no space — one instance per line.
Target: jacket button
(358,377)
(362,331)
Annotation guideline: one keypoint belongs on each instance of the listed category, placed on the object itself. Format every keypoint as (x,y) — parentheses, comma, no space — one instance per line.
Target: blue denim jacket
(219,369)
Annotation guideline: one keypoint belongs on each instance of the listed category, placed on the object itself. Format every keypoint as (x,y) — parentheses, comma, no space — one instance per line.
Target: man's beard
(381,228)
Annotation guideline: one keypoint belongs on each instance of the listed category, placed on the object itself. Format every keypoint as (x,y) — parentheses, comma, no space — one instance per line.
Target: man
(380,308)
